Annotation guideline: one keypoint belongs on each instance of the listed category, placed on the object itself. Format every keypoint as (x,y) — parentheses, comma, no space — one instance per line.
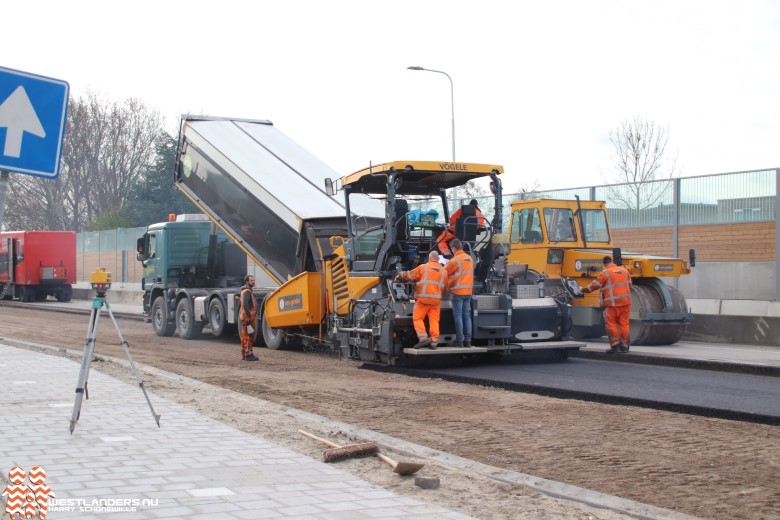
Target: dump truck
(333,259)
(558,240)
(37,264)
(263,199)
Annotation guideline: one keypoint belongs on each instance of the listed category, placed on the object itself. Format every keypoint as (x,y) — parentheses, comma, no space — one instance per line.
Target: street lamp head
(415,67)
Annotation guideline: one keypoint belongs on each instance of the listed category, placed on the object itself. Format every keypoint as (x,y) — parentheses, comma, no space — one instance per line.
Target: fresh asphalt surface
(740,396)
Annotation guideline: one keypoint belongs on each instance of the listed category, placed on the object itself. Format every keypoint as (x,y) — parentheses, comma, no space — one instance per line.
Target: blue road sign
(33,109)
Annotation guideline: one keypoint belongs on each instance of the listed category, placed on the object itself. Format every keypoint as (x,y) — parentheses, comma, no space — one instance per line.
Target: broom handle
(324,441)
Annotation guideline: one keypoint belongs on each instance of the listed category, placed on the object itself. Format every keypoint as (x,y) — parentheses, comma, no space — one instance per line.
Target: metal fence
(110,240)
(710,199)
(105,249)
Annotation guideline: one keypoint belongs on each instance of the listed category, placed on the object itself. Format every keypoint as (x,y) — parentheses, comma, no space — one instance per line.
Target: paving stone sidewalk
(118,464)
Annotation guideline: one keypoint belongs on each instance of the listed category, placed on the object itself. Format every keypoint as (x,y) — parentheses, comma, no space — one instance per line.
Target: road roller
(555,239)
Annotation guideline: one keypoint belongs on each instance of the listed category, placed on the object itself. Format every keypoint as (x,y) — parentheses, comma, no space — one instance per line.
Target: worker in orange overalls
(615,284)
(443,240)
(248,315)
(460,283)
(479,215)
(430,278)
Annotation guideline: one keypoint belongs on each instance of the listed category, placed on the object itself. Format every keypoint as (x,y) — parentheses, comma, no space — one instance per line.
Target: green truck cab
(192,272)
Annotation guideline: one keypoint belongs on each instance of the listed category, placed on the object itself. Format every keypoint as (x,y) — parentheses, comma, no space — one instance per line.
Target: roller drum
(645,299)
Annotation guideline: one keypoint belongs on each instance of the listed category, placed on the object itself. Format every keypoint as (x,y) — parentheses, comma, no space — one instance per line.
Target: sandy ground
(704,467)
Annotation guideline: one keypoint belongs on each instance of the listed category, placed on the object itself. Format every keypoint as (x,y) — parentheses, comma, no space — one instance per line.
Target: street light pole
(452,101)
(452,107)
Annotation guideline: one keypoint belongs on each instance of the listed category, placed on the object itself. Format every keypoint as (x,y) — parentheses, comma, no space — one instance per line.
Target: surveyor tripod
(89,347)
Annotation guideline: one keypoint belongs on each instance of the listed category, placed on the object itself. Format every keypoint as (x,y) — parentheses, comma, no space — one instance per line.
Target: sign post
(33,112)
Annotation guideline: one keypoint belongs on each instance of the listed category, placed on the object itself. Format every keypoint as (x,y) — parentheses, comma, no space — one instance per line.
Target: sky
(537,86)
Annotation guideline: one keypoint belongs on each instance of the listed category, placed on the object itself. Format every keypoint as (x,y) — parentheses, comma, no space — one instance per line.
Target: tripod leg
(89,348)
(132,365)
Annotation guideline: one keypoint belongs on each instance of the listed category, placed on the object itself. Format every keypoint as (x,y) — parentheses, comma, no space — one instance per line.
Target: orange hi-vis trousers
(433,311)
(247,340)
(617,320)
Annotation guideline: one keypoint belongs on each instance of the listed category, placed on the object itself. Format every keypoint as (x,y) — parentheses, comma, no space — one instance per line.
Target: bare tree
(111,145)
(471,190)
(107,147)
(640,158)
(528,189)
(34,203)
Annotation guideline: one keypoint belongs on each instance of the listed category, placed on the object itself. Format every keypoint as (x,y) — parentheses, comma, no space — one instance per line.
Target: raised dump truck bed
(259,186)
(267,194)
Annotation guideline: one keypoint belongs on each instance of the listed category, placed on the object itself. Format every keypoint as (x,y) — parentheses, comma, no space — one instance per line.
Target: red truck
(36,264)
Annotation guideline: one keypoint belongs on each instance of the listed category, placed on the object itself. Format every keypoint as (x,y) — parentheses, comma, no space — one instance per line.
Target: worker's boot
(456,343)
(467,343)
(613,350)
(423,343)
(624,347)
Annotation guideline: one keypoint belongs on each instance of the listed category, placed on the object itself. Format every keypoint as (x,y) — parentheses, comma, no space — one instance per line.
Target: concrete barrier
(748,322)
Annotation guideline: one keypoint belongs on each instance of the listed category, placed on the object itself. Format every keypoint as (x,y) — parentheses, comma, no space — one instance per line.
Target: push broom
(361,450)
(338,452)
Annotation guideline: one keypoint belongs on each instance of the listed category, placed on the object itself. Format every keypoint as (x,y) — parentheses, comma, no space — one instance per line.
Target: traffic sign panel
(33,112)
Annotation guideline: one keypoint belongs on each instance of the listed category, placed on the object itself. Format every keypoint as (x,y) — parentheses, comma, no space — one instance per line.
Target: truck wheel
(274,338)
(259,338)
(160,323)
(218,318)
(186,325)
(65,294)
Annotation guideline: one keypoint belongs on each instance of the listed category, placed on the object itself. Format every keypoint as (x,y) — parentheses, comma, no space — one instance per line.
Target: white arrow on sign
(18,116)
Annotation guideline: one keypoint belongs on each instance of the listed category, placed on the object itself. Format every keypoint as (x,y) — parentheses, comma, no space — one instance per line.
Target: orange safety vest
(615,284)
(430,280)
(251,314)
(460,274)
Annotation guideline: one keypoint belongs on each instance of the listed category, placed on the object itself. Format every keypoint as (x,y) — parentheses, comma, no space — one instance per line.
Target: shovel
(402,467)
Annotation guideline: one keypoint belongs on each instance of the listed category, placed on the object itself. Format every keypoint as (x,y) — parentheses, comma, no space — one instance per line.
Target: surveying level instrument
(101,283)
